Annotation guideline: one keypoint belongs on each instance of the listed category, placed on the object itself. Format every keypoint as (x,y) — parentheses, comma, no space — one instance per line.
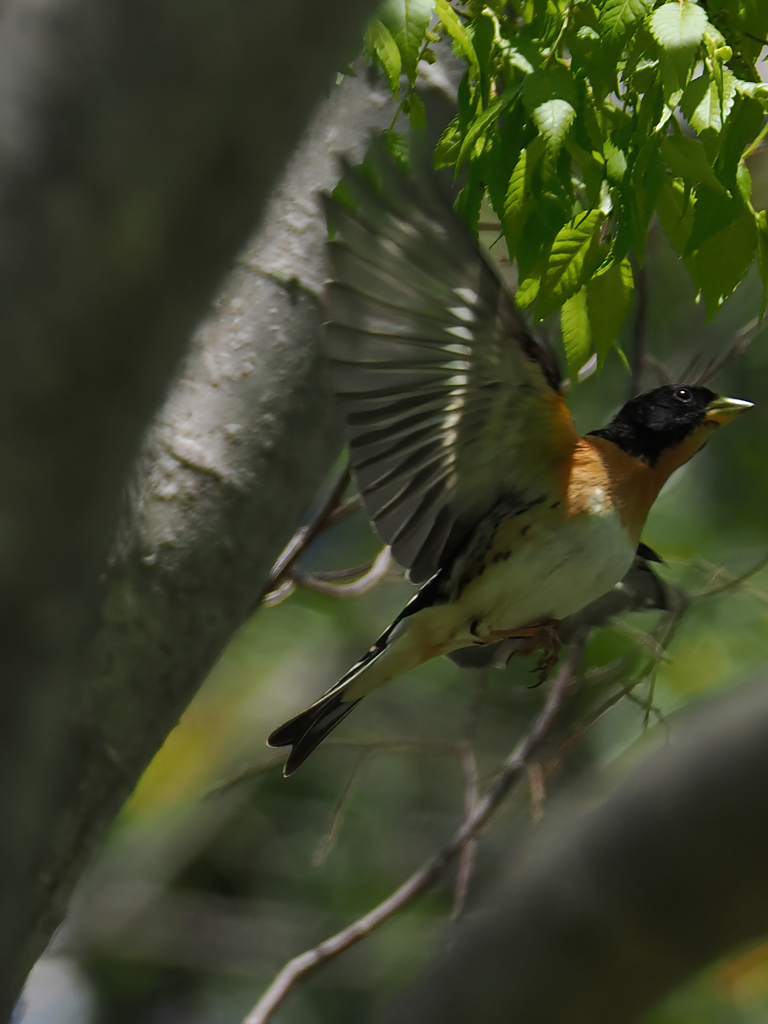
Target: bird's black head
(674,417)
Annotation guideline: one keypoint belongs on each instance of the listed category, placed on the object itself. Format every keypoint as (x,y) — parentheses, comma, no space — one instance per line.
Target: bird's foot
(541,636)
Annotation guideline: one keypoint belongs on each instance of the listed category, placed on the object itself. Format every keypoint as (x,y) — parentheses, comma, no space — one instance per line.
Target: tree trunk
(138,142)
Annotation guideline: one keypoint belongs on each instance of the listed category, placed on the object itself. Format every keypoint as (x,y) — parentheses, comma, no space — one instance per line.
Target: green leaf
(742,127)
(708,100)
(407,21)
(527,290)
(417,115)
(448,146)
(574,327)
(547,216)
(515,197)
(712,212)
(615,162)
(648,176)
(468,201)
(762,255)
(382,42)
(462,43)
(678,28)
(482,123)
(720,264)
(687,159)
(609,298)
(516,202)
(678,25)
(553,119)
(551,98)
(619,17)
(675,213)
(572,257)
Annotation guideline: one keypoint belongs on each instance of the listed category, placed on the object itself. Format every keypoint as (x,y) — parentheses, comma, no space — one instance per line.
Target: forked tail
(397,650)
(307,730)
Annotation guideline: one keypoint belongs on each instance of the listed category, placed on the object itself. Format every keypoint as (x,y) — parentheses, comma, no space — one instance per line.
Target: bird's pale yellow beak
(722,410)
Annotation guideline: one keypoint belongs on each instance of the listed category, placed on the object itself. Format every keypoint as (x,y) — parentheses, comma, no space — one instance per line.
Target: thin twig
(731,584)
(646,641)
(467,854)
(513,769)
(328,841)
(406,746)
(373,574)
(736,347)
(538,790)
(304,536)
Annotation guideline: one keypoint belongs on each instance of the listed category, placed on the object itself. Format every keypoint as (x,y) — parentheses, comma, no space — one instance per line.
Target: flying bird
(468,461)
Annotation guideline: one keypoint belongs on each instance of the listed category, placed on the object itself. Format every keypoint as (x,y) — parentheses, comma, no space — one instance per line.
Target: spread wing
(451,405)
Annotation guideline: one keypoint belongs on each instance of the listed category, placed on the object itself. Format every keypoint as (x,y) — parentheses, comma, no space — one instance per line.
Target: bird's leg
(541,636)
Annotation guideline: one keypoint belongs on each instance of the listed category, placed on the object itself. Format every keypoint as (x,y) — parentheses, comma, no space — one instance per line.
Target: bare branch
(731,584)
(623,902)
(372,575)
(427,875)
(304,536)
(467,853)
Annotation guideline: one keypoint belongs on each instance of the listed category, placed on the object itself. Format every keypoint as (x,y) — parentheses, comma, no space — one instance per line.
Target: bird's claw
(541,636)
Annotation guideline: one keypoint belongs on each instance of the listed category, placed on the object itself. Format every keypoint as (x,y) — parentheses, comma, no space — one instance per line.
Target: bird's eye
(684,395)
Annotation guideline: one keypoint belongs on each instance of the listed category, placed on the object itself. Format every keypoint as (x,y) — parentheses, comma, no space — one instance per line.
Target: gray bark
(138,142)
(612,911)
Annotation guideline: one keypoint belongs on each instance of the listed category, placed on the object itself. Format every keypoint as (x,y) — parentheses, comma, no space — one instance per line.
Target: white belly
(552,576)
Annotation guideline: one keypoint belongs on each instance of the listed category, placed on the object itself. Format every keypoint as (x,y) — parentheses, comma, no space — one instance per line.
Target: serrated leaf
(515,197)
(711,213)
(687,159)
(619,17)
(678,26)
(448,146)
(553,119)
(481,123)
(675,212)
(609,298)
(573,250)
(738,136)
(574,328)
(720,264)
(615,162)
(527,290)
(407,20)
(462,43)
(382,42)
(759,90)
(516,202)
(708,100)
(551,98)
(648,175)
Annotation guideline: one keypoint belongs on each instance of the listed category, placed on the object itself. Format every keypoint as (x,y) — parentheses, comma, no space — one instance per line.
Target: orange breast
(630,486)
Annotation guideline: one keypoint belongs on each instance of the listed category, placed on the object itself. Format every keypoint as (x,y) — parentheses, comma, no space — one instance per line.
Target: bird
(467,458)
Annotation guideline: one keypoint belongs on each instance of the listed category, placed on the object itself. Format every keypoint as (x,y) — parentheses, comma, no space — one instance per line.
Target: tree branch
(479,813)
(610,912)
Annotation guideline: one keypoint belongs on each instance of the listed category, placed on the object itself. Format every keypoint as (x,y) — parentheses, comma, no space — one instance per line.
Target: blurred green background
(207,886)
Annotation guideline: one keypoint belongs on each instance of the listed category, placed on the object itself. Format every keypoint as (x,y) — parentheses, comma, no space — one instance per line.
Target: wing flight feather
(452,406)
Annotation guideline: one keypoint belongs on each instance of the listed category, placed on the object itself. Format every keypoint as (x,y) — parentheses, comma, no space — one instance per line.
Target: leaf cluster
(579,120)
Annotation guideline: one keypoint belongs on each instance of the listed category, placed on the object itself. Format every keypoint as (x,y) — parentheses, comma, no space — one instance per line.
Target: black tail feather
(304,732)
